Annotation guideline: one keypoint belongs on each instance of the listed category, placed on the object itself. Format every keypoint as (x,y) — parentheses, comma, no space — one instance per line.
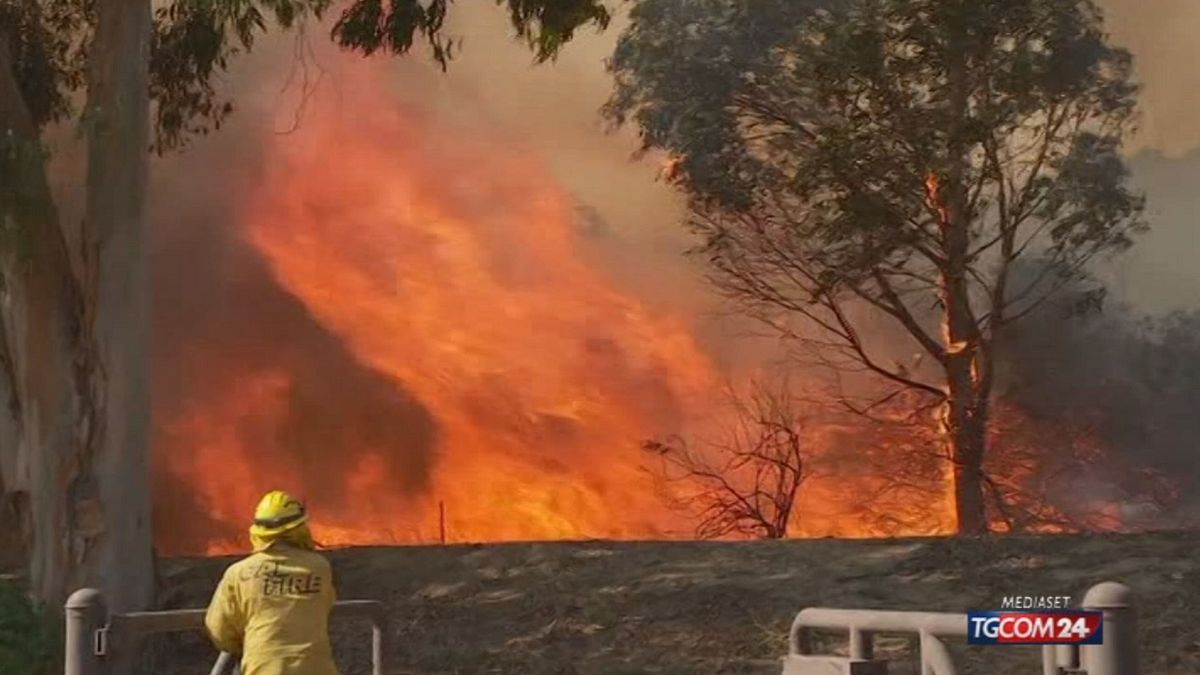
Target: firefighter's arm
(224,619)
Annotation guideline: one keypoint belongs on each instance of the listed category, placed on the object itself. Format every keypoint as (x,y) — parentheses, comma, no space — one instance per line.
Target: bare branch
(747,483)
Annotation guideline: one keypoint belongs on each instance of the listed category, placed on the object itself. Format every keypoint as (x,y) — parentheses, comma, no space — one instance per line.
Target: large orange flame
(454,268)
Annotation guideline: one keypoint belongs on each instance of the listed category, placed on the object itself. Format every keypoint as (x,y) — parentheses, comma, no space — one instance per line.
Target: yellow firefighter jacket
(273,608)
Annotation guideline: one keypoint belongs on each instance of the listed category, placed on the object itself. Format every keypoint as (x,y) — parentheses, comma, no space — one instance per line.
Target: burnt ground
(604,608)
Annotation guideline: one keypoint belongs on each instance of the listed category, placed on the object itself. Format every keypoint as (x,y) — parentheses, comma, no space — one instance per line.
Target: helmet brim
(257,530)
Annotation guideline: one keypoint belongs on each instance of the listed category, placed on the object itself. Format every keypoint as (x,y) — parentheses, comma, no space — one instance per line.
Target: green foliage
(47,57)
(547,25)
(195,40)
(369,26)
(679,68)
(29,642)
(805,136)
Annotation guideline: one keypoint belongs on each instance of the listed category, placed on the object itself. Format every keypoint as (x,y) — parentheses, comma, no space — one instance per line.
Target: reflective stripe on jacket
(273,608)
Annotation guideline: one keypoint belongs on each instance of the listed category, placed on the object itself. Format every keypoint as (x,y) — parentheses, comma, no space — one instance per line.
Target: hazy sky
(551,110)
(1162,36)
(1163,271)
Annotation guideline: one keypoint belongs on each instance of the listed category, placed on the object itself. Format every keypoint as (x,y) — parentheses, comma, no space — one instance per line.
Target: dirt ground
(604,608)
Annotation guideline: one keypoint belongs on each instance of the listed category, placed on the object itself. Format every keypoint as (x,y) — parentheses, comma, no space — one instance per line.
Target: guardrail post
(1056,659)
(935,657)
(1118,655)
(862,645)
(1050,661)
(86,614)
(378,638)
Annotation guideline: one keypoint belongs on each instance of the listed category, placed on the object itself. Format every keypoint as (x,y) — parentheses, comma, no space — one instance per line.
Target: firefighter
(273,606)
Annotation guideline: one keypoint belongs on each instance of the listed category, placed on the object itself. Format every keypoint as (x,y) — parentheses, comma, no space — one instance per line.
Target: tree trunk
(45,428)
(965,415)
(965,428)
(74,348)
(116,284)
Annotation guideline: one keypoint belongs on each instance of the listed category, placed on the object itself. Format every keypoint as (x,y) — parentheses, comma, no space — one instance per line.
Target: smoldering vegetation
(1123,380)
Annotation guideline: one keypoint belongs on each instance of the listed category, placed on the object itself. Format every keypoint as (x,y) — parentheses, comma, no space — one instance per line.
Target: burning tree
(74,324)
(885,163)
(747,482)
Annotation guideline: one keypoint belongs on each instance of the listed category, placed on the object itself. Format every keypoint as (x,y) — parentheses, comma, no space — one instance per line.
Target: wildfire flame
(454,269)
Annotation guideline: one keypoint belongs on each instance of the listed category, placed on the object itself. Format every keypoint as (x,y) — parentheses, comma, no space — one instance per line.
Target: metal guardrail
(97,640)
(1118,655)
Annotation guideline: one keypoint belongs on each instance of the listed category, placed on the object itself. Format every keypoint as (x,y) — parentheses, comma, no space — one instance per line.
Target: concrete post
(1118,655)
(85,614)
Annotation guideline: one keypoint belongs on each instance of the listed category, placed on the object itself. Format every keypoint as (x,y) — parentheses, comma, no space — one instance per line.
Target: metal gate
(1118,655)
(98,642)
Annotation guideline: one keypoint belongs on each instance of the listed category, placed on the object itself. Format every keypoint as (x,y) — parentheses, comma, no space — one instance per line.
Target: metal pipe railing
(225,662)
(863,624)
(874,621)
(94,637)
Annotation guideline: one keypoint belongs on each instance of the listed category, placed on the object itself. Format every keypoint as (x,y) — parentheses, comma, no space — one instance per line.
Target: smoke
(1120,381)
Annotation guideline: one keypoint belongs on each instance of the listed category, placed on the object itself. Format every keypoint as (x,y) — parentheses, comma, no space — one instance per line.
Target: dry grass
(602,608)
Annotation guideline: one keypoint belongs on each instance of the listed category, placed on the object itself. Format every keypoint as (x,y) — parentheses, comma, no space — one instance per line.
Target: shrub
(30,642)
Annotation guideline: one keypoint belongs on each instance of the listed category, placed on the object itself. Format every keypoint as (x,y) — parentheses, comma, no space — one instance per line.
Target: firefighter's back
(285,596)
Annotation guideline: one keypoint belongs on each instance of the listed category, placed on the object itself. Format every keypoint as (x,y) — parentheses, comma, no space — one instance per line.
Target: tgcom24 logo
(1054,627)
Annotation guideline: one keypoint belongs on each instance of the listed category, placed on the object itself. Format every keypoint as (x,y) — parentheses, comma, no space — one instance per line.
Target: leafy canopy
(831,149)
(194,40)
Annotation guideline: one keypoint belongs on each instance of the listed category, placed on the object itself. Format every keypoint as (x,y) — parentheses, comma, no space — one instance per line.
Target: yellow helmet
(277,512)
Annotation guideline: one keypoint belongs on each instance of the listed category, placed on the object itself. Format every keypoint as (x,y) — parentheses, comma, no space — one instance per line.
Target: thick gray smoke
(1121,380)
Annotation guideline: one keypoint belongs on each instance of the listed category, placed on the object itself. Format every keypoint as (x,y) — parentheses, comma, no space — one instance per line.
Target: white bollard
(1118,654)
